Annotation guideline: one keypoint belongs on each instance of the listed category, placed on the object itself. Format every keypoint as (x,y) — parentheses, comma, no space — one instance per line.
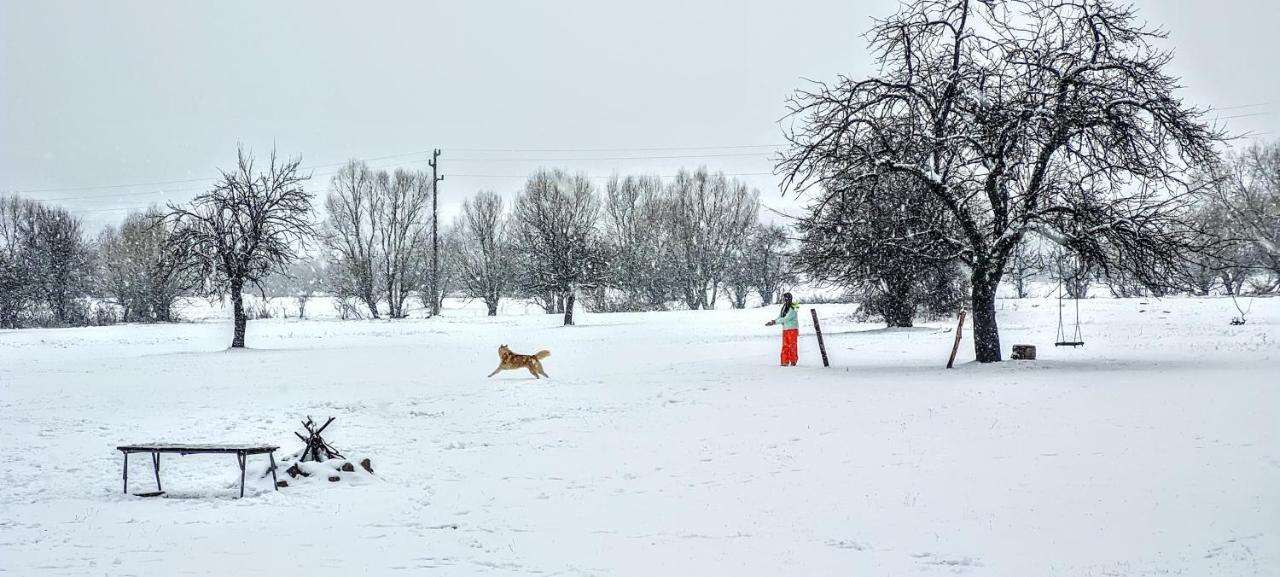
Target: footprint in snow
(846,544)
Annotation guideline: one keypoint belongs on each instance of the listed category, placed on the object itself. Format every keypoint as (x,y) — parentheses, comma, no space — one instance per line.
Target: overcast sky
(96,95)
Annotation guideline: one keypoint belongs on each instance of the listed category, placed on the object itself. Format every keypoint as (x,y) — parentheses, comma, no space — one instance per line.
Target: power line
(203,188)
(1239,106)
(1243,115)
(425,153)
(605,158)
(511,176)
(633,149)
(523,176)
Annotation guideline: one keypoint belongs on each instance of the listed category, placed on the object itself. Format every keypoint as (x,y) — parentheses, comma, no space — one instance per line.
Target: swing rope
(1078,340)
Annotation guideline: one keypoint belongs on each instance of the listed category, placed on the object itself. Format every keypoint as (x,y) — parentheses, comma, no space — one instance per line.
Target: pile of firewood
(314,447)
(317,457)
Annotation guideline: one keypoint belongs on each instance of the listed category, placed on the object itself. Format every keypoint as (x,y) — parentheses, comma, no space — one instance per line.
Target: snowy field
(664,444)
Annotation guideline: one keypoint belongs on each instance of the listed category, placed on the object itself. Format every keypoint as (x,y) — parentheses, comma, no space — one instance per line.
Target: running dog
(508,360)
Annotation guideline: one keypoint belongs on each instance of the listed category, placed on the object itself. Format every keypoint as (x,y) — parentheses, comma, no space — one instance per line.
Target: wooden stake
(956,347)
(817,329)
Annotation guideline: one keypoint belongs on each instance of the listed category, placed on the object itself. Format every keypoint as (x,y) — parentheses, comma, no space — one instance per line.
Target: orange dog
(508,360)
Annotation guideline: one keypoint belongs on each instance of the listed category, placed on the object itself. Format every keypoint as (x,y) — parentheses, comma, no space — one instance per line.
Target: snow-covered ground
(664,444)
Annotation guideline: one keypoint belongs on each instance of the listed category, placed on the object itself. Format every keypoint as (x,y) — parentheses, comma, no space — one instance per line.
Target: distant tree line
(637,243)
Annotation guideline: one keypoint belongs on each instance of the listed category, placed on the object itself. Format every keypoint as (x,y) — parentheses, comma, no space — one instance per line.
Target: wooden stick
(956,347)
(817,329)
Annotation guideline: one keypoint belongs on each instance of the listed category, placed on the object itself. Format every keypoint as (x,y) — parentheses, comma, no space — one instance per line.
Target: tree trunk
(690,300)
(766,297)
(986,335)
(898,309)
(393,303)
(241,319)
(568,308)
(492,303)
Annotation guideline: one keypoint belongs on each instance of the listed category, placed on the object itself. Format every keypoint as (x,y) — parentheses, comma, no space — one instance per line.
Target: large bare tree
(350,233)
(251,224)
(636,226)
(1048,117)
(375,231)
(483,255)
(555,232)
(140,270)
(46,265)
(710,216)
(404,202)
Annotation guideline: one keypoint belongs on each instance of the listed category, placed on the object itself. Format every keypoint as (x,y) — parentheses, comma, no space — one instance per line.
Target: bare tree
(555,231)
(351,233)
(19,260)
(710,216)
(483,254)
(1046,117)
(404,199)
(1025,263)
(433,295)
(139,269)
(248,226)
(66,266)
(46,266)
(882,238)
(639,234)
(1075,275)
(762,265)
(1248,206)
(770,262)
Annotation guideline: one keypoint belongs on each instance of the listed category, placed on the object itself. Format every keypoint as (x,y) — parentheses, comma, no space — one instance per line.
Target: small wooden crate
(1024,352)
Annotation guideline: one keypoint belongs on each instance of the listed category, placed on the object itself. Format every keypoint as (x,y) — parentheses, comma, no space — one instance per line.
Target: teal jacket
(791,320)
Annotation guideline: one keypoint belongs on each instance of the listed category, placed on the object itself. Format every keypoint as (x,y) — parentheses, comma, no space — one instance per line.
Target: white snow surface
(664,444)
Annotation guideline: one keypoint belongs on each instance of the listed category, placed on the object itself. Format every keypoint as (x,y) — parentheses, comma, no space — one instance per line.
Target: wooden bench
(241,452)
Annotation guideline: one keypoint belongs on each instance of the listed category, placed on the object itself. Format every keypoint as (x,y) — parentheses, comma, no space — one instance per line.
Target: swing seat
(1072,344)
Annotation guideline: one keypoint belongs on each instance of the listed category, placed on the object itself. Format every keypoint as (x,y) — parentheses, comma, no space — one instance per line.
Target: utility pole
(434,163)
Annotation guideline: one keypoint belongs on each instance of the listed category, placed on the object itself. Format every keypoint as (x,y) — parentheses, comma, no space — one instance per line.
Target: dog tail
(543,354)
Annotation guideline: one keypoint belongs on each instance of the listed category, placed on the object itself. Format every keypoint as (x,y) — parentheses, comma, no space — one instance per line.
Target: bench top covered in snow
(247,449)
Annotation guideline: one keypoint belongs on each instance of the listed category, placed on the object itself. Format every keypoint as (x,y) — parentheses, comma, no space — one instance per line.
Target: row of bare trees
(377,233)
(639,244)
(52,274)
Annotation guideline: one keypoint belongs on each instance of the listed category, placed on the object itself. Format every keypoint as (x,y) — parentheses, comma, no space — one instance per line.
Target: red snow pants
(790,351)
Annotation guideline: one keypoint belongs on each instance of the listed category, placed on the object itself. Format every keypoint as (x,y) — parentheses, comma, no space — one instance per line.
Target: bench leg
(155,461)
(126,472)
(240,457)
(274,482)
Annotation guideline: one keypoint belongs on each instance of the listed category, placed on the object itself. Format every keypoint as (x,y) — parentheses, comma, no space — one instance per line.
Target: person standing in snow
(789,318)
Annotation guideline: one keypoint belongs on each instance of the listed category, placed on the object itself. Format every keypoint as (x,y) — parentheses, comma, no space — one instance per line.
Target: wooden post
(817,329)
(240,457)
(956,347)
(274,482)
